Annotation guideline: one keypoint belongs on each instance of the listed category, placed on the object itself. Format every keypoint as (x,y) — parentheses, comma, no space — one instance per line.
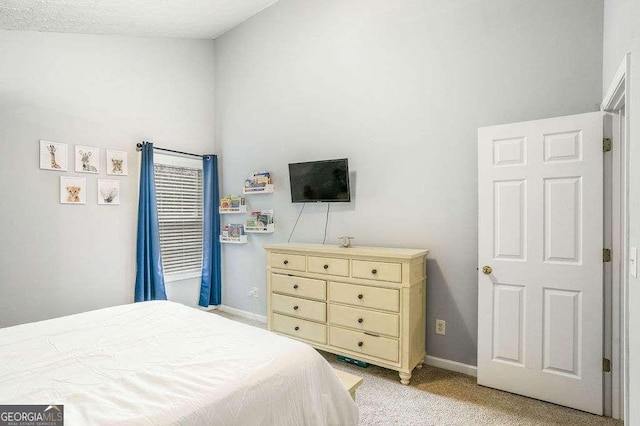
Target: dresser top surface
(401,253)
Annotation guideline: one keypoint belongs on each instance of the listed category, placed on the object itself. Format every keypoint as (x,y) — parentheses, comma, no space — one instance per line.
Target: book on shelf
(236,230)
(257,181)
(260,219)
(264,174)
(232,202)
(237,202)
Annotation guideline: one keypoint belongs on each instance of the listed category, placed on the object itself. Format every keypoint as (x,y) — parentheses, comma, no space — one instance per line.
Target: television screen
(320,181)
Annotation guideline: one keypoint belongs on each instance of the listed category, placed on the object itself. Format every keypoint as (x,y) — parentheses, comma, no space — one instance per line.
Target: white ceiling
(148,18)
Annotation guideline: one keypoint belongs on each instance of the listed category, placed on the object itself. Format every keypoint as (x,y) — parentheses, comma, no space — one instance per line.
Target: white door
(540,304)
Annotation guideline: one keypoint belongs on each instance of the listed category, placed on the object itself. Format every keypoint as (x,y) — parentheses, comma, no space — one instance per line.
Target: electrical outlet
(253,292)
(441,326)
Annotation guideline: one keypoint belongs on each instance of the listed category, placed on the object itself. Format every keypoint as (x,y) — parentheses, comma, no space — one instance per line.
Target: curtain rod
(139,148)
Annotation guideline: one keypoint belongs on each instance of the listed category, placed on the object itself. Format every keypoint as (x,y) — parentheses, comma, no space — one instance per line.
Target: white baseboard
(241,313)
(470,370)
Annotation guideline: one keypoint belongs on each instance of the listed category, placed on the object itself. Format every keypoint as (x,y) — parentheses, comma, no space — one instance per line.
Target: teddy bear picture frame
(73,190)
(117,163)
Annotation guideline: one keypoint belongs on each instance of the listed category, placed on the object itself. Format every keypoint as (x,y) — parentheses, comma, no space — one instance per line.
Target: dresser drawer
(292,262)
(296,286)
(364,296)
(302,308)
(355,341)
(300,328)
(381,271)
(362,319)
(329,265)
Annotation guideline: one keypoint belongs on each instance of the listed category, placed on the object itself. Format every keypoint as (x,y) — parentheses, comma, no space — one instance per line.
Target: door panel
(509,219)
(508,323)
(509,152)
(564,146)
(563,219)
(540,230)
(562,333)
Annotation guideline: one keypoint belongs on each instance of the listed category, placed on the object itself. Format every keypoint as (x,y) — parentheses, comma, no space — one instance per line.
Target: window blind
(179,195)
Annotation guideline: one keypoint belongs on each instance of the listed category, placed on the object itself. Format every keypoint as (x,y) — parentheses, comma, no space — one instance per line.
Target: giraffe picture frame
(87,159)
(53,156)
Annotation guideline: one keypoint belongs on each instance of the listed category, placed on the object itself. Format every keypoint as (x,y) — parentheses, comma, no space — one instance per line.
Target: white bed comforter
(158,363)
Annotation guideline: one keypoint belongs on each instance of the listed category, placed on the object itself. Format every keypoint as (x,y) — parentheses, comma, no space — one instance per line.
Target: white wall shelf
(228,240)
(232,210)
(268,189)
(270,228)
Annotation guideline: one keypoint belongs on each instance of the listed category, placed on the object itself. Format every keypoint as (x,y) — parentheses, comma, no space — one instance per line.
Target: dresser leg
(419,366)
(405,378)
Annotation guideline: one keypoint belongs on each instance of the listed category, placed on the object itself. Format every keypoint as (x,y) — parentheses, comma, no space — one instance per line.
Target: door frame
(616,104)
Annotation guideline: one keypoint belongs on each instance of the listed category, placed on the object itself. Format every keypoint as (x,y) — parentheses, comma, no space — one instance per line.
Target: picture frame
(108,192)
(117,163)
(87,159)
(53,156)
(73,190)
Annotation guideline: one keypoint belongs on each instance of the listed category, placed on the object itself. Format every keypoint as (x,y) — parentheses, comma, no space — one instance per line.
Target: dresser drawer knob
(360,320)
(360,296)
(374,271)
(297,328)
(360,343)
(326,266)
(295,308)
(295,286)
(286,262)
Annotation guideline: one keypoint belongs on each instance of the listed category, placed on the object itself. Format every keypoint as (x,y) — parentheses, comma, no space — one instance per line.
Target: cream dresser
(366,303)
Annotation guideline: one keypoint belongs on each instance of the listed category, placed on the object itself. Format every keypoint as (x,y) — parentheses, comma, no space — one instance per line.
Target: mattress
(159,363)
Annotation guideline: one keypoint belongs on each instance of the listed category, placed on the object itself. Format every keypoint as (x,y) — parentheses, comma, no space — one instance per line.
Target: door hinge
(606,255)
(606,365)
(606,144)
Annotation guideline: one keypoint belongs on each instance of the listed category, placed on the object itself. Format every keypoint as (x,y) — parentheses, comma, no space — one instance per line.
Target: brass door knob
(486,270)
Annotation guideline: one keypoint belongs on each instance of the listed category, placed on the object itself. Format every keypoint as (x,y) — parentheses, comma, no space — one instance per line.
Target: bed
(157,363)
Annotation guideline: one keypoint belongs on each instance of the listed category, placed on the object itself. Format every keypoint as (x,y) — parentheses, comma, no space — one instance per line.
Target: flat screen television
(320,181)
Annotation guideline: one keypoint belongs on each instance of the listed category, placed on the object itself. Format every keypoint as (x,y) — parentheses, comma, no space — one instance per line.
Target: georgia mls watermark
(31,415)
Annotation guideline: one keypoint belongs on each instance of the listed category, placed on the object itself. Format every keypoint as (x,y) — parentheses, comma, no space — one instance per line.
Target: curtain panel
(211,285)
(149,274)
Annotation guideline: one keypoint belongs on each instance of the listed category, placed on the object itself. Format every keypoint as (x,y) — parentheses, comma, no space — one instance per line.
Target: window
(179,194)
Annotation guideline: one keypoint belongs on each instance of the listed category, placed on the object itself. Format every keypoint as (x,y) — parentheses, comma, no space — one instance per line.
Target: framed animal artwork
(117,163)
(53,156)
(108,192)
(87,159)
(73,190)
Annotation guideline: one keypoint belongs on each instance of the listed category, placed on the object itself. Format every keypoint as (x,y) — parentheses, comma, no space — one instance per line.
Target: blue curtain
(149,275)
(211,285)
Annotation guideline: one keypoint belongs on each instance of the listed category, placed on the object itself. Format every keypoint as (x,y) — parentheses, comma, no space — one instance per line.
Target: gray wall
(400,88)
(621,36)
(104,91)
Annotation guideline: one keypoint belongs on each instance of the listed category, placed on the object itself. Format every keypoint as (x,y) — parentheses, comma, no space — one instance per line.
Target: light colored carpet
(442,397)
